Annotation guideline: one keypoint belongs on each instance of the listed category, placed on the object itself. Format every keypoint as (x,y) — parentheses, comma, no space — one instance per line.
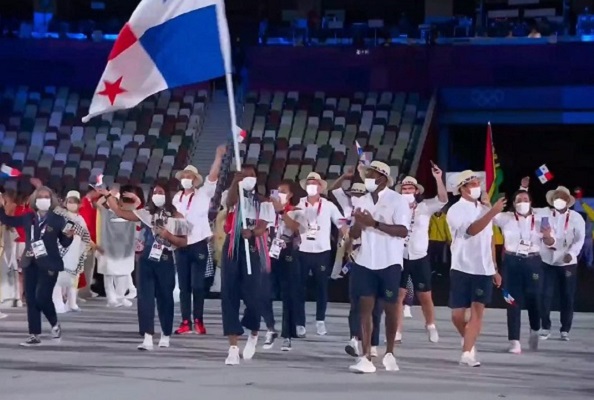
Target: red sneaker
(199,327)
(184,328)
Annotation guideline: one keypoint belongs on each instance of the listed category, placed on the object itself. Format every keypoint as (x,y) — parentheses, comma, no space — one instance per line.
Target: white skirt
(119,267)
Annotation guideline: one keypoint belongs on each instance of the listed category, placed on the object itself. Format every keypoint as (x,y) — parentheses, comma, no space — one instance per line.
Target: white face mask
(283,197)
(43,204)
(187,183)
(158,200)
(311,190)
(72,207)
(523,208)
(409,197)
(475,192)
(370,185)
(248,183)
(559,204)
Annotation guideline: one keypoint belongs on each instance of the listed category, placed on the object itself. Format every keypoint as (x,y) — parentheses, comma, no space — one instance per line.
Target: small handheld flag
(240,133)
(361,153)
(508,298)
(9,172)
(543,174)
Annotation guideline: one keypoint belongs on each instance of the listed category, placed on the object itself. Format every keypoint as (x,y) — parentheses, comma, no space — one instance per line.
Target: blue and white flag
(166,44)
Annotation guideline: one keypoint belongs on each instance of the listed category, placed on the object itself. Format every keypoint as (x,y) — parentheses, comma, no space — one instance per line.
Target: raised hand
(221,150)
(500,205)
(436,171)
(525,183)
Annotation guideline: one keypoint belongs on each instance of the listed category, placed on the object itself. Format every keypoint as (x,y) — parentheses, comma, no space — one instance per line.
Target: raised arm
(114,206)
(13,221)
(477,226)
(215,169)
(442,192)
(337,184)
(233,192)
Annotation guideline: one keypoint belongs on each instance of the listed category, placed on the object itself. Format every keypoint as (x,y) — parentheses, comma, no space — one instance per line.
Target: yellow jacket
(438,229)
(219,236)
(589,212)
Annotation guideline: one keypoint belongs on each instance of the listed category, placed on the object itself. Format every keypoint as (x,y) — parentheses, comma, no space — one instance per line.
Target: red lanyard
(319,207)
(566,221)
(520,226)
(181,196)
(287,208)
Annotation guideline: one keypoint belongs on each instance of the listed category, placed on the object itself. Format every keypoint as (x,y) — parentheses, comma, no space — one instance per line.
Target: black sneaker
(31,342)
(270,338)
(286,345)
(57,332)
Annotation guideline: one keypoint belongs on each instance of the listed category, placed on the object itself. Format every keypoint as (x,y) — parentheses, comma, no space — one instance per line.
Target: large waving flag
(166,44)
(493,171)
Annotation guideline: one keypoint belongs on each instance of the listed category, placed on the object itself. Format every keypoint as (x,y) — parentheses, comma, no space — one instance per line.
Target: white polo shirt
(322,213)
(378,249)
(194,207)
(569,231)
(470,254)
(418,241)
(516,228)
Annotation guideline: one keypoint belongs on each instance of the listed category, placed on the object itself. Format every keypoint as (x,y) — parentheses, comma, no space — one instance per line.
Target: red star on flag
(112,89)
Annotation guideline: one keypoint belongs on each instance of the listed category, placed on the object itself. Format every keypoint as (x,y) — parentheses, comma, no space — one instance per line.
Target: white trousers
(115,288)
(70,293)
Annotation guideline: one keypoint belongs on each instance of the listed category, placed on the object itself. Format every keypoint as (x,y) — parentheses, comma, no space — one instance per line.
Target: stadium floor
(97,359)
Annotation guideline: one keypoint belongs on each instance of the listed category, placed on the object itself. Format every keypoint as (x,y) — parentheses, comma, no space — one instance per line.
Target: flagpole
(233,115)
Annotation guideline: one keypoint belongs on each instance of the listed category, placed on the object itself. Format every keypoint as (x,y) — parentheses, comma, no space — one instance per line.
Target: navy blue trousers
(321,266)
(39,286)
(236,284)
(563,279)
(156,282)
(522,278)
(191,268)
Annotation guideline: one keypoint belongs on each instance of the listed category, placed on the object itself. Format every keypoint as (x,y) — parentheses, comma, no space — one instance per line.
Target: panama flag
(361,153)
(166,44)
(9,172)
(543,174)
(508,298)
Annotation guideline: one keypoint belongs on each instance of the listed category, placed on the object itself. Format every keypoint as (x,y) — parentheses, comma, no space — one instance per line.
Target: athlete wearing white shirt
(416,260)
(381,221)
(194,203)
(314,251)
(473,266)
(522,266)
(560,260)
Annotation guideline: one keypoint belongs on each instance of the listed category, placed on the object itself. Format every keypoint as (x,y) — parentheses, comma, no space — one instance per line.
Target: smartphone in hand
(68,227)
(274,194)
(544,223)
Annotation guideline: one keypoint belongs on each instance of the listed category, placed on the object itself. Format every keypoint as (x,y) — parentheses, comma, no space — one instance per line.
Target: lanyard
(181,196)
(412,223)
(319,208)
(41,222)
(566,225)
(520,226)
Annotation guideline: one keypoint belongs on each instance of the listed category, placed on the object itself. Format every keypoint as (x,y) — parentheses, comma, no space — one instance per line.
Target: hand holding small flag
(9,172)
(508,298)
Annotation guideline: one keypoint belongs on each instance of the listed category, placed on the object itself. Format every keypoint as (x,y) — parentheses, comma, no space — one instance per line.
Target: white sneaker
(363,366)
(114,304)
(232,356)
(2,315)
(398,338)
(126,303)
(514,347)
(301,331)
(533,341)
(147,344)
(132,294)
(432,333)
(250,347)
(468,360)
(389,362)
(565,336)
(544,334)
(73,308)
(164,341)
(269,341)
(286,346)
(321,328)
(407,312)
(352,348)
(373,351)
(472,351)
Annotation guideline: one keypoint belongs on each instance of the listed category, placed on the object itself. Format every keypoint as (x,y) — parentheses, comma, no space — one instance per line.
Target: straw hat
(193,170)
(463,178)
(409,180)
(357,188)
(551,194)
(73,194)
(314,176)
(383,169)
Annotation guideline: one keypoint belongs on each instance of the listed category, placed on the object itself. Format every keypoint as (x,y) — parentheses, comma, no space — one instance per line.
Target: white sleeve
(579,236)
(335,214)
(459,222)
(402,213)
(267,212)
(343,200)
(144,216)
(500,219)
(208,189)
(433,205)
(545,211)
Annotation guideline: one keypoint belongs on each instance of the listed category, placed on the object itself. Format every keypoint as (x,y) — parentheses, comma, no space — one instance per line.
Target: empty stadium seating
(292,134)
(42,135)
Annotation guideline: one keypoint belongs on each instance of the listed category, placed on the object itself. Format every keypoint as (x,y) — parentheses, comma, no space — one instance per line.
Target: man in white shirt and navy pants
(314,251)
(381,221)
(416,260)
(193,202)
(473,269)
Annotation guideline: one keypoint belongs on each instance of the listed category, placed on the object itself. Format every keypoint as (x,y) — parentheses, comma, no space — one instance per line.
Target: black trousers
(321,266)
(39,286)
(237,284)
(523,279)
(191,268)
(156,281)
(563,279)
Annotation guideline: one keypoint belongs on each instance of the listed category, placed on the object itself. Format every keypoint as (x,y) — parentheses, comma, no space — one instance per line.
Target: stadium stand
(42,135)
(292,134)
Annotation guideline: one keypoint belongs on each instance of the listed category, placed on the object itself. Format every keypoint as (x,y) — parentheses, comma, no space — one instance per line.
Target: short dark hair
(168,207)
(293,188)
